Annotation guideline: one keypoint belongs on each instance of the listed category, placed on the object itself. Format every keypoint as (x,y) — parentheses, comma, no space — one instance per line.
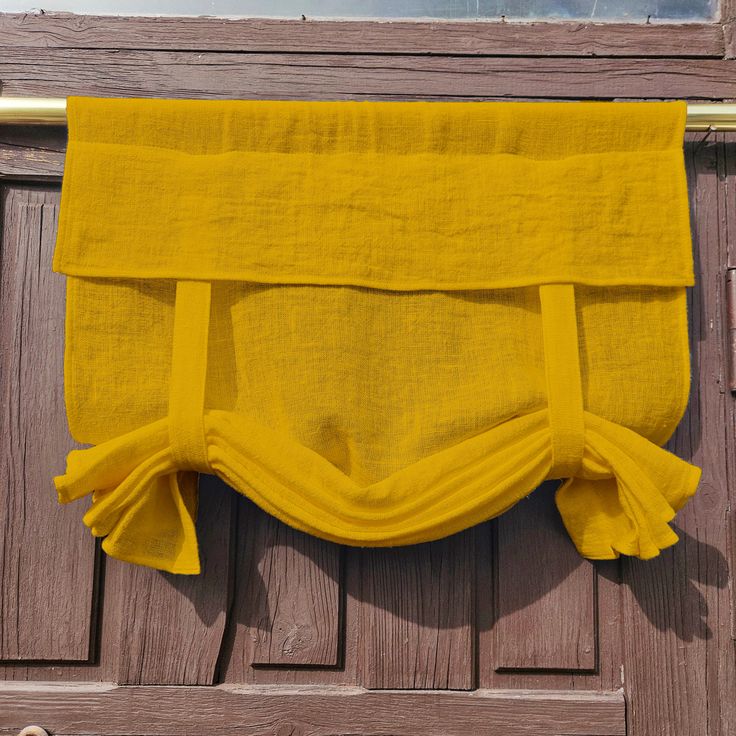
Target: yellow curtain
(383,322)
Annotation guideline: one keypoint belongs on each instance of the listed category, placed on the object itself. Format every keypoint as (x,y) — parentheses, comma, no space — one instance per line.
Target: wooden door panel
(299,627)
(172,626)
(287,619)
(289,598)
(418,615)
(545,592)
(47,577)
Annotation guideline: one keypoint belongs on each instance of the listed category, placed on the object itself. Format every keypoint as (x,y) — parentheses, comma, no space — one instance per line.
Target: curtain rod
(52,111)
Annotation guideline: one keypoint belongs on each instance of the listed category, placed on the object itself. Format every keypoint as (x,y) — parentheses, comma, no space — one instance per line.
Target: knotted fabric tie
(564,385)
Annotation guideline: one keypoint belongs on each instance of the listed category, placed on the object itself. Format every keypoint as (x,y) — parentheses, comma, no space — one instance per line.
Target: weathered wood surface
(62,72)
(47,566)
(728,21)
(727,176)
(549,621)
(534,590)
(727,11)
(290,621)
(288,601)
(171,626)
(316,711)
(32,153)
(673,617)
(679,665)
(729,38)
(483,38)
(418,615)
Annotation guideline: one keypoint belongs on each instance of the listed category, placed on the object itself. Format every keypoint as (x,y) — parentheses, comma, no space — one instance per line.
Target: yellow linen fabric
(382,322)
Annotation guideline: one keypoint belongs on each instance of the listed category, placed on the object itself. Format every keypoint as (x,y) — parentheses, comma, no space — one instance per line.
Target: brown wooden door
(502,629)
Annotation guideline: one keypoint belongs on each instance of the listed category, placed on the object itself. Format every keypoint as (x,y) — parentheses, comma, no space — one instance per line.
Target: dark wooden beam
(478,38)
(109,710)
(60,72)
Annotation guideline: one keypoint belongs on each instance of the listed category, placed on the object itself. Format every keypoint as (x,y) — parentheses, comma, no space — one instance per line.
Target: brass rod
(33,110)
(52,111)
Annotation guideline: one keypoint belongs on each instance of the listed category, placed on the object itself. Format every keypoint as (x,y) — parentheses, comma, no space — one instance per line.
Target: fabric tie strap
(189,376)
(562,371)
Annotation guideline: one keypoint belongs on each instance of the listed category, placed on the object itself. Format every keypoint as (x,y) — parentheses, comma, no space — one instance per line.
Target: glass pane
(626,10)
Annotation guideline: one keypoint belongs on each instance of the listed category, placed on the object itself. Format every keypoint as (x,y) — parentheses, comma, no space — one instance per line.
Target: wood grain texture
(323,76)
(65,522)
(728,21)
(35,153)
(63,30)
(727,11)
(678,624)
(316,711)
(729,37)
(288,595)
(47,567)
(316,622)
(727,176)
(417,614)
(679,654)
(171,626)
(607,673)
(545,591)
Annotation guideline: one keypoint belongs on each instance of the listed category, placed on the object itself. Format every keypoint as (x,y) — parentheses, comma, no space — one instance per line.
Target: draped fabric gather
(383,322)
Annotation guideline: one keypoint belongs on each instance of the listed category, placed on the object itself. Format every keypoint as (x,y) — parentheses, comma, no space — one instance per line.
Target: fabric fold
(142,501)
(393,195)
